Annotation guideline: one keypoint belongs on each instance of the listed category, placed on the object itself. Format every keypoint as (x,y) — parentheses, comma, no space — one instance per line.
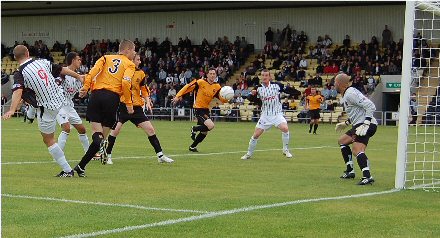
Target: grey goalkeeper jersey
(357,106)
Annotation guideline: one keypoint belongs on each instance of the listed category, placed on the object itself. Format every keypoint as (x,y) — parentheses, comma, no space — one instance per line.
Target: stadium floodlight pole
(405,96)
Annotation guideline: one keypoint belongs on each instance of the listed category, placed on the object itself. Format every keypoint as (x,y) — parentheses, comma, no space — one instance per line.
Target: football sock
(310,129)
(159,155)
(348,157)
(155,143)
(62,139)
(363,164)
(200,137)
(84,141)
(58,155)
(201,128)
(285,137)
(315,127)
(97,138)
(111,142)
(252,145)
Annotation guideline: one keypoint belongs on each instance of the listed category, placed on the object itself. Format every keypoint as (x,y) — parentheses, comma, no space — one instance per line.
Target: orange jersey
(204,92)
(138,88)
(113,73)
(314,101)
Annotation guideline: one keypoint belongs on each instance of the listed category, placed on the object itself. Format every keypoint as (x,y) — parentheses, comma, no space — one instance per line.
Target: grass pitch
(209,194)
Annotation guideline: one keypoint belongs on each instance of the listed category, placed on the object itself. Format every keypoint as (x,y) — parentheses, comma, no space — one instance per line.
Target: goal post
(418,147)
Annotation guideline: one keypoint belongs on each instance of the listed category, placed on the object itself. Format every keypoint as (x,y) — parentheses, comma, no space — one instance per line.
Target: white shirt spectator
(303,63)
(162,75)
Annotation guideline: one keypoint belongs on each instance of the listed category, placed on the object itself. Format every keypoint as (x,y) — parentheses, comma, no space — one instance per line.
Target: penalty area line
(223,213)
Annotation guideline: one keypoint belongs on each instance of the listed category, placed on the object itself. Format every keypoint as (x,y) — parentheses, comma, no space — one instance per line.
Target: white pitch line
(177,155)
(103,203)
(222,213)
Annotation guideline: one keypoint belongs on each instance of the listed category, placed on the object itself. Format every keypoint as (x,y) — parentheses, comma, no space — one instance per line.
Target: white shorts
(47,123)
(266,122)
(68,114)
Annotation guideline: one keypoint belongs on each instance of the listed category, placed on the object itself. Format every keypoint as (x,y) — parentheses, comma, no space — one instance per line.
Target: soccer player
(113,79)
(138,118)
(271,114)
(313,104)
(204,91)
(360,114)
(35,83)
(68,115)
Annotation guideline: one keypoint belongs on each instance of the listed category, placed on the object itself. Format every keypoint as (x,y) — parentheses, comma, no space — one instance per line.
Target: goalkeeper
(360,114)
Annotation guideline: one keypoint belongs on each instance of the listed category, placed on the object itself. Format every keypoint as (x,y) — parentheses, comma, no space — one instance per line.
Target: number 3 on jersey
(116,63)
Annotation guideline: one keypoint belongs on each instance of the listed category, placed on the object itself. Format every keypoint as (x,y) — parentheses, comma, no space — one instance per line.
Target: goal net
(418,155)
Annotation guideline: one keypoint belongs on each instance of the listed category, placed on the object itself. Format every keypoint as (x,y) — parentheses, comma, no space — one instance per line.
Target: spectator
(303,63)
(377,69)
(326,93)
(347,41)
(371,84)
(386,37)
(234,113)
(215,111)
(162,76)
(238,99)
(327,41)
(277,37)
(302,38)
(333,93)
(413,107)
(285,105)
(293,105)
(256,113)
(269,35)
(188,75)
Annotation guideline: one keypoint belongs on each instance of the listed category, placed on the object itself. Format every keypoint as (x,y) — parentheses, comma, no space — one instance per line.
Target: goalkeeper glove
(341,126)
(362,129)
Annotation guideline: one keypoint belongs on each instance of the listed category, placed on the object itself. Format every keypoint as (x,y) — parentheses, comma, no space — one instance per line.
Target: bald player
(113,81)
(35,83)
(360,115)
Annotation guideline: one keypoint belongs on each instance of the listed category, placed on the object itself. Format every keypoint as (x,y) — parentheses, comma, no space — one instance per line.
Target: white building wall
(359,22)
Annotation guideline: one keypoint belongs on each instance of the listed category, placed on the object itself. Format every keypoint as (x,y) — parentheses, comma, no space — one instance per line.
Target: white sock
(252,145)
(58,156)
(286,137)
(84,141)
(62,139)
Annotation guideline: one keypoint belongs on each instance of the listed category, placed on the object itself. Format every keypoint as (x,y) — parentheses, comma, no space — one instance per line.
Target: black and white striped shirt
(270,97)
(39,76)
(70,86)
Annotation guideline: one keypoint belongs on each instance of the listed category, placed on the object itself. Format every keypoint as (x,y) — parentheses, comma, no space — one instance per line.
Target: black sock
(200,137)
(310,129)
(315,127)
(97,138)
(111,142)
(155,143)
(201,128)
(363,164)
(347,155)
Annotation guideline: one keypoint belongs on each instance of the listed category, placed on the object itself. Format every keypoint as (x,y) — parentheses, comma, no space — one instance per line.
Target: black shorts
(136,118)
(314,114)
(362,139)
(202,115)
(103,107)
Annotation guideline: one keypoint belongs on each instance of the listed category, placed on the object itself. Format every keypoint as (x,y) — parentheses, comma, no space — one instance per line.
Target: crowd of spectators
(169,67)
(288,50)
